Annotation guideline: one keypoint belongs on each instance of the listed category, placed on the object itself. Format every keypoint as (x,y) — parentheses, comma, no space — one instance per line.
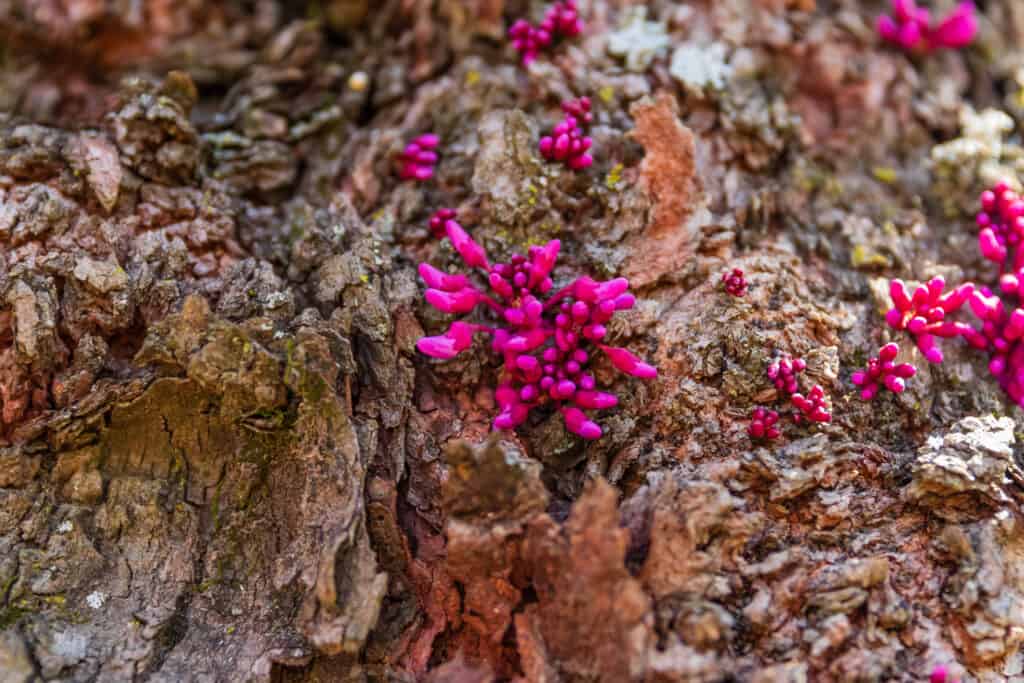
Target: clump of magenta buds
(910,27)
(883,371)
(419,157)
(567,143)
(923,314)
(547,341)
(562,20)
(783,372)
(734,282)
(763,424)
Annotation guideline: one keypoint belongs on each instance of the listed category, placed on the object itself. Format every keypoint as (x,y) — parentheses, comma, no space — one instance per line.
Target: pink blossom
(567,143)
(912,29)
(547,340)
(882,370)
(560,21)
(762,424)
(734,282)
(419,158)
(923,313)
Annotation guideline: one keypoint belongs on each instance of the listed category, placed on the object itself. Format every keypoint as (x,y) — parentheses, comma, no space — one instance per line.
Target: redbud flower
(940,675)
(762,424)
(911,28)
(567,142)
(923,314)
(783,371)
(561,20)
(419,158)
(812,407)
(882,370)
(547,340)
(735,283)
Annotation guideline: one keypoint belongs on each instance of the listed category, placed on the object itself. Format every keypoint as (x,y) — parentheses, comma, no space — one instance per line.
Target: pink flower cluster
(923,313)
(734,282)
(911,28)
(814,406)
(419,158)
(882,370)
(561,20)
(762,424)
(783,372)
(567,143)
(547,341)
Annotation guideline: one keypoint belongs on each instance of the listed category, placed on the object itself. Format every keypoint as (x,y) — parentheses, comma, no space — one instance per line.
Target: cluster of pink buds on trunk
(882,370)
(762,424)
(1001,220)
(923,313)
(910,27)
(419,158)
(567,143)
(814,406)
(561,20)
(547,340)
(734,282)
(783,372)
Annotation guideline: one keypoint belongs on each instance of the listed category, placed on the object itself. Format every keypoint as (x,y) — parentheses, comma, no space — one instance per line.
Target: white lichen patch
(700,68)
(981,147)
(638,41)
(96,599)
(65,527)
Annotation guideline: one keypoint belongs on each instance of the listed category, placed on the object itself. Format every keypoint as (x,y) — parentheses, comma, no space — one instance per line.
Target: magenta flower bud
(471,252)
(565,389)
(938,675)
(527,363)
(547,146)
(514,316)
(888,352)
(587,382)
(428,140)
(898,293)
(990,247)
(628,363)
(426,158)
(595,400)
(580,312)
(958,29)
(501,286)
(528,394)
(576,422)
(594,332)
(544,262)
(572,367)
(458,338)
(511,417)
(562,143)
(887,28)
(926,343)
(526,341)
(462,301)
(438,279)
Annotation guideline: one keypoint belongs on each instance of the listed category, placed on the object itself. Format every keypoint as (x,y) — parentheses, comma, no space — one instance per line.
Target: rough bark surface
(221,458)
